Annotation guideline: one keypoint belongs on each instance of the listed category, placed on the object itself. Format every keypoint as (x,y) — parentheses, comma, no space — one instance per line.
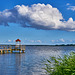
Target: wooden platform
(10,48)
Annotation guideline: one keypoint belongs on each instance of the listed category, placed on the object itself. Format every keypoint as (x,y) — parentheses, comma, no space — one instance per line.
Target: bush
(61,66)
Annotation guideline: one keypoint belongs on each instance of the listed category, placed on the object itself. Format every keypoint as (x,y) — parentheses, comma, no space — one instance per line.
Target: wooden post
(20,51)
(23,51)
(6,47)
(11,51)
(3,51)
(7,51)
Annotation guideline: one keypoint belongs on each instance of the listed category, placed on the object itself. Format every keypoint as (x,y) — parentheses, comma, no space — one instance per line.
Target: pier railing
(11,48)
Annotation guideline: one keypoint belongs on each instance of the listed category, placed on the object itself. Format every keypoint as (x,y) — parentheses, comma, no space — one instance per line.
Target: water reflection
(30,62)
(10,64)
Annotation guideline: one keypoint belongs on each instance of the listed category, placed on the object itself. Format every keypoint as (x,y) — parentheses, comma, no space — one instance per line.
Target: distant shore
(45,45)
(54,45)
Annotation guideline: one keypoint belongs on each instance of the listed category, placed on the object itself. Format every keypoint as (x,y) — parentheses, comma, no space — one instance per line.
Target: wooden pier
(12,48)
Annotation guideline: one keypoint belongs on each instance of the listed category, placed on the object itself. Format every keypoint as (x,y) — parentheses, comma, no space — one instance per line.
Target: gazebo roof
(18,40)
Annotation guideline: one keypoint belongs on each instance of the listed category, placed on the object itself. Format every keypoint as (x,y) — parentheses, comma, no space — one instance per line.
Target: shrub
(61,66)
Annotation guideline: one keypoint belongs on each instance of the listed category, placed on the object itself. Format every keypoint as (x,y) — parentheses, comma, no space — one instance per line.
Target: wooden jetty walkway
(11,48)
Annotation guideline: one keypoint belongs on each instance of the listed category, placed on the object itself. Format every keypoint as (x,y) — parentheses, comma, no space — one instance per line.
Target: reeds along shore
(12,48)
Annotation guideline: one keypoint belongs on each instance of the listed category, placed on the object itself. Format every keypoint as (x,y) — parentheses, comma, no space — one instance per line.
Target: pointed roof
(18,40)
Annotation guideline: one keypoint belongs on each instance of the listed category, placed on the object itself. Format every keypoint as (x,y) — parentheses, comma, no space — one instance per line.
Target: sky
(37,22)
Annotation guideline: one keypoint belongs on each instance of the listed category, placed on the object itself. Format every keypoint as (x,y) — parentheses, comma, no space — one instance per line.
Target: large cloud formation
(39,16)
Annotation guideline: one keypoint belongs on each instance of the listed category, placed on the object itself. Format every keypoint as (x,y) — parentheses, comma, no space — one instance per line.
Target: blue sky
(27,25)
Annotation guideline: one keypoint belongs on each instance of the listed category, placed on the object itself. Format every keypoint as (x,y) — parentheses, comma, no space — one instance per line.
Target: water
(30,62)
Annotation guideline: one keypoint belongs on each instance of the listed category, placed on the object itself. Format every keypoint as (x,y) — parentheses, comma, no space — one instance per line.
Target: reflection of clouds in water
(36,54)
(49,53)
(34,70)
(54,51)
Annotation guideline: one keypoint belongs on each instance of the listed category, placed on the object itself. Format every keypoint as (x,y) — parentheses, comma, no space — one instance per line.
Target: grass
(61,66)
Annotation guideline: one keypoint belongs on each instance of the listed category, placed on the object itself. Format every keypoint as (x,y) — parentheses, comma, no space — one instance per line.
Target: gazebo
(18,42)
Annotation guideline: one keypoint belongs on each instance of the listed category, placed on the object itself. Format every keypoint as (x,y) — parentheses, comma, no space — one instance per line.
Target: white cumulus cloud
(68,4)
(39,41)
(62,40)
(52,41)
(58,41)
(71,8)
(39,16)
(9,40)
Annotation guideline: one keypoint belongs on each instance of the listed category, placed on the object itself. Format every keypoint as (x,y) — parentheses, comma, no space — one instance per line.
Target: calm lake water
(30,62)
